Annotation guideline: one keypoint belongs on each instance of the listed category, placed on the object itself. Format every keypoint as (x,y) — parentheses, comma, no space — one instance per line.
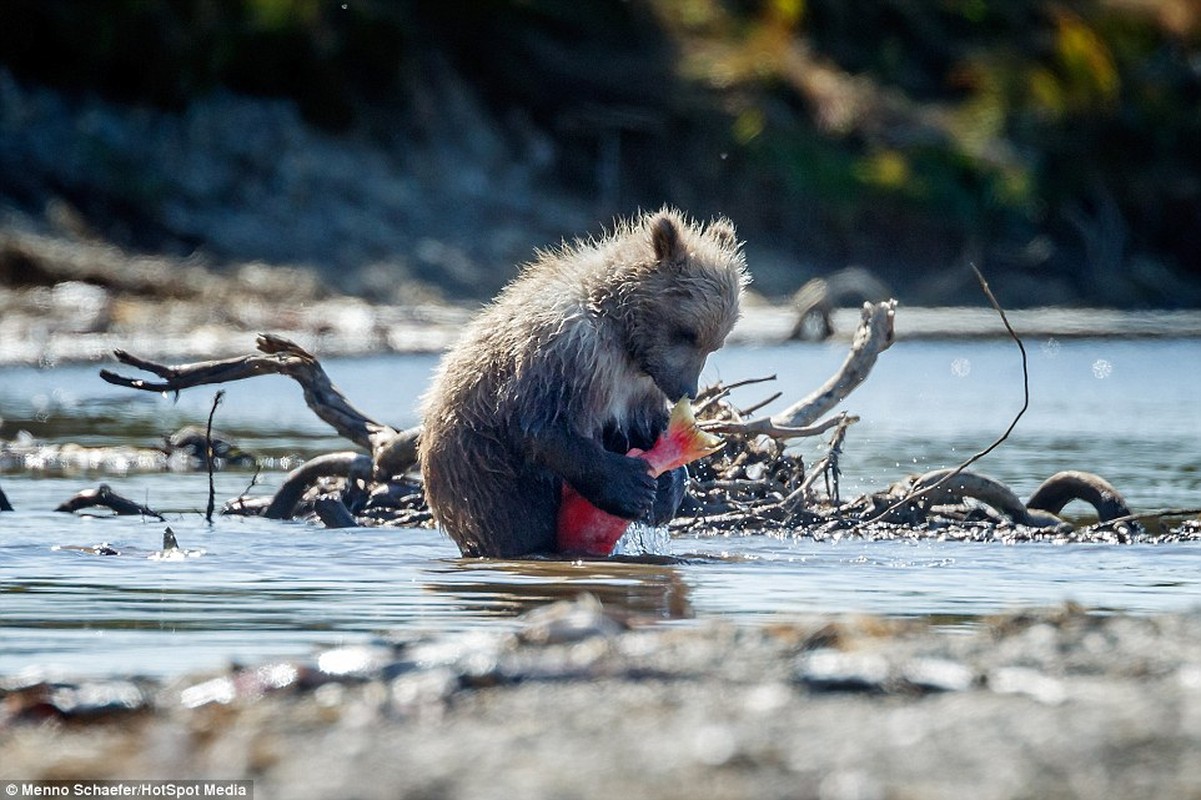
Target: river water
(255,589)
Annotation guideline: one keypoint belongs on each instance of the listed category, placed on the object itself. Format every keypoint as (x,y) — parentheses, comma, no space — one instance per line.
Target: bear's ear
(722,231)
(665,236)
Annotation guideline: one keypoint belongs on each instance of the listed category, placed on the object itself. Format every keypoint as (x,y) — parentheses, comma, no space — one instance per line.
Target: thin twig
(833,472)
(211,456)
(909,498)
(746,412)
(710,391)
(711,395)
(798,496)
(254,479)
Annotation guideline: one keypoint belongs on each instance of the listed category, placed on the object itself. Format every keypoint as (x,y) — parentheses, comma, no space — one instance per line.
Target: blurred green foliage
(327,57)
(982,124)
(885,132)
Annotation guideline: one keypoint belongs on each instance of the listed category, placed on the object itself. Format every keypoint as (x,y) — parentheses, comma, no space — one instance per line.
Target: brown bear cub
(572,365)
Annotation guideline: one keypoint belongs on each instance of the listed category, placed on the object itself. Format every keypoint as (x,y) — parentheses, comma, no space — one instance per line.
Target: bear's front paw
(625,488)
(669,495)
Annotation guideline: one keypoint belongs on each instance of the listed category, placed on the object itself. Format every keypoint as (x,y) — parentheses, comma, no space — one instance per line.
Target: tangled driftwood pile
(757,483)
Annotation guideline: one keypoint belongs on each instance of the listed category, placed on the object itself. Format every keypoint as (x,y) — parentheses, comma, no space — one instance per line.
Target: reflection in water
(645,587)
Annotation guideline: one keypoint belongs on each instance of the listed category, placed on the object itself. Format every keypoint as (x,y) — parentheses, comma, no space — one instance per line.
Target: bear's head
(680,307)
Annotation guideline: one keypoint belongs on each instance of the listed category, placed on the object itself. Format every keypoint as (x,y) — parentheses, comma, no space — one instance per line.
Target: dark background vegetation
(1055,144)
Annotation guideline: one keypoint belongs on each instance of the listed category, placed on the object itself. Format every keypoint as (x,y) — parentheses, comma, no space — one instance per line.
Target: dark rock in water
(93,700)
(193,443)
(833,671)
(104,497)
(102,549)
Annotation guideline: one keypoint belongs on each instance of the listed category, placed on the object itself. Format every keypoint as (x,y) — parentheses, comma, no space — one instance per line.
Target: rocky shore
(573,703)
(81,315)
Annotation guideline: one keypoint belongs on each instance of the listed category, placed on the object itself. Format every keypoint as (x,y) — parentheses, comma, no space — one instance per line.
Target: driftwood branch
(1063,487)
(940,486)
(1040,511)
(1157,515)
(765,426)
(394,452)
(330,465)
(948,486)
(105,497)
(757,484)
(209,456)
(874,336)
(828,464)
(280,356)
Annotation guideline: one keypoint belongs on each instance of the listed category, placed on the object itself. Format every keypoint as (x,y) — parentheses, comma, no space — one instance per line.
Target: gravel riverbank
(575,704)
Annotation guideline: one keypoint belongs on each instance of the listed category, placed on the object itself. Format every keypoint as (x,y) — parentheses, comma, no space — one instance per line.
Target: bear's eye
(685,336)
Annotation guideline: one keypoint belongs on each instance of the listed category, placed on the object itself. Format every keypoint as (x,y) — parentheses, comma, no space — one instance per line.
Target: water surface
(257,589)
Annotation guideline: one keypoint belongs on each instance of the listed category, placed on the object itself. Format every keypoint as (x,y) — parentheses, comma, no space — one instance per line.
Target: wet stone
(568,621)
(92,700)
(834,671)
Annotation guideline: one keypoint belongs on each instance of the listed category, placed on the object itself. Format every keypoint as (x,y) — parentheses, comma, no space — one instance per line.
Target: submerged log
(935,487)
(104,497)
(340,465)
(1064,487)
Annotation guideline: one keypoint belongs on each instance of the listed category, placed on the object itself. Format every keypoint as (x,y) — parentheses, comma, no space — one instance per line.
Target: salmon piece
(585,529)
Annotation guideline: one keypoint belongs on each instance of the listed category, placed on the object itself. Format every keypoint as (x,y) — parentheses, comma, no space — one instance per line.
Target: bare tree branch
(874,336)
(766,426)
(280,357)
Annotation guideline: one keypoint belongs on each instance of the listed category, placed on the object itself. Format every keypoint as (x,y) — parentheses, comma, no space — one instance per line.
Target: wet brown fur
(583,349)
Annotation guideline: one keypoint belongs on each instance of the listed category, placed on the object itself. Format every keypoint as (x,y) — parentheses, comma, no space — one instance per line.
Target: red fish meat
(585,529)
